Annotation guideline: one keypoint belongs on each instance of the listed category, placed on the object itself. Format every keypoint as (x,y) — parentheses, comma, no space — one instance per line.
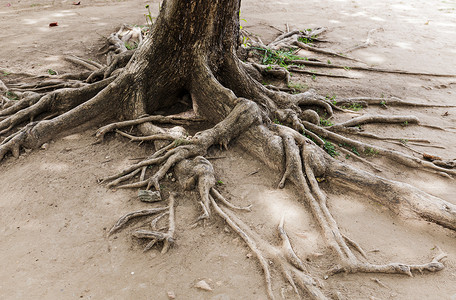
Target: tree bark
(189,46)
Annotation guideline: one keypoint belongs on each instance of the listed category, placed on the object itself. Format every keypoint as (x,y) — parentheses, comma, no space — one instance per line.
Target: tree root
(58,101)
(88,64)
(140,213)
(384,102)
(395,156)
(370,119)
(338,242)
(302,71)
(176,120)
(156,236)
(369,69)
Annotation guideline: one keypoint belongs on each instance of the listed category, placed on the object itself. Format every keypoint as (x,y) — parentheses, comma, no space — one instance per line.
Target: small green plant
(325,122)
(51,72)
(332,99)
(12,96)
(403,141)
(131,46)
(383,104)
(245,41)
(298,86)
(314,77)
(304,40)
(347,68)
(219,182)
(4,73)
(277,122)
(347,156)
(354,150)
(149,18)
(329,62)
(330,149)
(353,106)
(240,26)
(370,151)
(277,57)
(405,123)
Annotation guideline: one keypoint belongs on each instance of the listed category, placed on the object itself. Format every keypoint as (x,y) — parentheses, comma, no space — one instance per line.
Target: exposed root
(117,62)
(159,119)
(345,67)
(318,50)
(385,102)
(125,178)
(167,137)
(156,236)
(367,148)
(90,65)
(393,268)
(302,71)
(365,161)
(367,43)
(241,117)
(86,105)
(285,258)
(370,119)
(219,197)
(140,213)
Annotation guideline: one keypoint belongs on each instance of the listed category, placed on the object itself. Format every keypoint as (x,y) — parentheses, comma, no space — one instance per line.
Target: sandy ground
(54,216)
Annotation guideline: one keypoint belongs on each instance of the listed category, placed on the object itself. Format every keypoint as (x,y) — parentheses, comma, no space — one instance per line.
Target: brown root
(131,215)
(167,238)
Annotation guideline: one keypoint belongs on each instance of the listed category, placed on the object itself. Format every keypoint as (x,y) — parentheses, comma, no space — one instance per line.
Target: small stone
(173,179)
(149,196)
(132,273)
(171,295)
(226,229)
(249,255)
(203,285)
(219,283)
(45,146)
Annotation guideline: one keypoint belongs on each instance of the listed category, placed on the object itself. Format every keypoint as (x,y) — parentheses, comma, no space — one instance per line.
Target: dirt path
(54,215)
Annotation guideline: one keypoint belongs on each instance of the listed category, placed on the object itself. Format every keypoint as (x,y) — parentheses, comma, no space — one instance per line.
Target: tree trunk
(190,43)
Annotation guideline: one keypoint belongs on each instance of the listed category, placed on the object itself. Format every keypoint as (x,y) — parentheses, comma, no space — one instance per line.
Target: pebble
(203,285)
(45,146)
(171,295)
